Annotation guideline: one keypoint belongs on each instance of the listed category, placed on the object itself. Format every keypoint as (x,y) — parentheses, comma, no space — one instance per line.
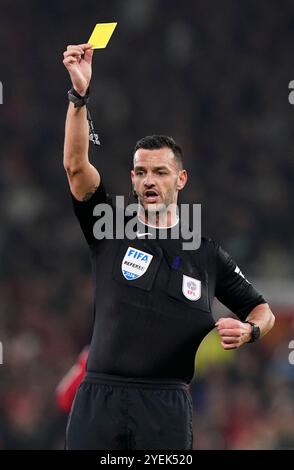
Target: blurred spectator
(67,388)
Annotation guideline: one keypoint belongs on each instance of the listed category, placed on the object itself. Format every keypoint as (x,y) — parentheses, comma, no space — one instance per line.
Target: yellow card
(101,35)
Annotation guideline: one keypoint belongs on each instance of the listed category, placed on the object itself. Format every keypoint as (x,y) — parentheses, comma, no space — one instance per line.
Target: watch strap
(77,99)
(254,326)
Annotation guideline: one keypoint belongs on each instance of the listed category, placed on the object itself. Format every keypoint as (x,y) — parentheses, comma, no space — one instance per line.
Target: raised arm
(82,176)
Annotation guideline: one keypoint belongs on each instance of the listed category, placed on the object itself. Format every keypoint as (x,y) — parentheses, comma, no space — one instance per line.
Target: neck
(164,219)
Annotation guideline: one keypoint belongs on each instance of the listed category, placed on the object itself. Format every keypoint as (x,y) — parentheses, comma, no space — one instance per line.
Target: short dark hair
(153,142)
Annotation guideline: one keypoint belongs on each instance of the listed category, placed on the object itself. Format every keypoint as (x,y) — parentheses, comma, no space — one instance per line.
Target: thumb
(88,55)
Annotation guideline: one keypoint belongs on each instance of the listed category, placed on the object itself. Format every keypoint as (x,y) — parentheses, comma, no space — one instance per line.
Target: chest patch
(191,288)
(135,263)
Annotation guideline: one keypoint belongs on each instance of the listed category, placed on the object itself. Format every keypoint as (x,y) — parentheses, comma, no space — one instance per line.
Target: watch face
(255,332)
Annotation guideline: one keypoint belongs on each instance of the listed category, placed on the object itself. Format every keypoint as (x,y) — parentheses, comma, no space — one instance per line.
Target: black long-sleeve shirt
(153,300)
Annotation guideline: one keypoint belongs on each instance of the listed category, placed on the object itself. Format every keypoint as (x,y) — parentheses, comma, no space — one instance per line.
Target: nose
(149,181)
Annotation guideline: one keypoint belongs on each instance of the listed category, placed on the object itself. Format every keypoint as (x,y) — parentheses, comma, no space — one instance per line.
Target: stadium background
(215,76)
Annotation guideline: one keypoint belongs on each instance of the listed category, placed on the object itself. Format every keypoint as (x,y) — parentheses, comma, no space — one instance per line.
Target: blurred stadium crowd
(215,77)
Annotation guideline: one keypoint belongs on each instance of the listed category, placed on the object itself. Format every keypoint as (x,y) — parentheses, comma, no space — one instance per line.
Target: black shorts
(111,413)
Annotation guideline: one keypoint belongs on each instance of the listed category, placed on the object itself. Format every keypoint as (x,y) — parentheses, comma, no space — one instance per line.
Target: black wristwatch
(77,99)
(255,333)
(80,101)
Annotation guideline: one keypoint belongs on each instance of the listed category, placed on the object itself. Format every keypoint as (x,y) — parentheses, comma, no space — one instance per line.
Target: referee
(152,298)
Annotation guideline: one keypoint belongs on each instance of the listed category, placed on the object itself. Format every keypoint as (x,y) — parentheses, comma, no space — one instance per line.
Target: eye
(162,172)
(139,173)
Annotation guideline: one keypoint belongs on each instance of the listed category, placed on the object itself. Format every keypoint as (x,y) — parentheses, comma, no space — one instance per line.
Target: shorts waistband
(116,380)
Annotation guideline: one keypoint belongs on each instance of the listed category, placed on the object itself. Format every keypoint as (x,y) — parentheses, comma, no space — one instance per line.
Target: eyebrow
(162,167)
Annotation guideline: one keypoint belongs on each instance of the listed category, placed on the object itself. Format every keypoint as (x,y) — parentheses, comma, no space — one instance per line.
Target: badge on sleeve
(191,288)
(135,263)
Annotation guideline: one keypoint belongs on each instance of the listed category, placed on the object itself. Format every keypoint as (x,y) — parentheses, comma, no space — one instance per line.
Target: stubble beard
(155,212)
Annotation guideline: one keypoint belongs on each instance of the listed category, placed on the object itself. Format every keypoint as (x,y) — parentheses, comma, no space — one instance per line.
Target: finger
(82,47)
(69,61)
(88,55)
(73,52)
(228,346)
(228,323)
(75,48)
(230,340)
(227,320)
(230,332)
(85,46)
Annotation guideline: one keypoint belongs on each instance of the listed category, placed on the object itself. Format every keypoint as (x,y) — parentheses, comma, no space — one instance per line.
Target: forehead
(155,157)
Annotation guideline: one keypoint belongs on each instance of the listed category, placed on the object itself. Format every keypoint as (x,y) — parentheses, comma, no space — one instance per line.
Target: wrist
(82,93)
(248,333)
(254,334)
(77,99)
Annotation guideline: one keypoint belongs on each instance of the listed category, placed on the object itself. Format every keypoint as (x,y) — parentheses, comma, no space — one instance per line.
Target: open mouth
(151,196)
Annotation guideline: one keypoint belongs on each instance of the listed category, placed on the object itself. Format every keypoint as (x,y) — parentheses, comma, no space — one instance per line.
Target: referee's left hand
(233,332)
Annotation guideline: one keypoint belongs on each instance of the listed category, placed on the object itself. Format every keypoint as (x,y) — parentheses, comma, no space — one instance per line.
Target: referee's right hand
(78,61)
